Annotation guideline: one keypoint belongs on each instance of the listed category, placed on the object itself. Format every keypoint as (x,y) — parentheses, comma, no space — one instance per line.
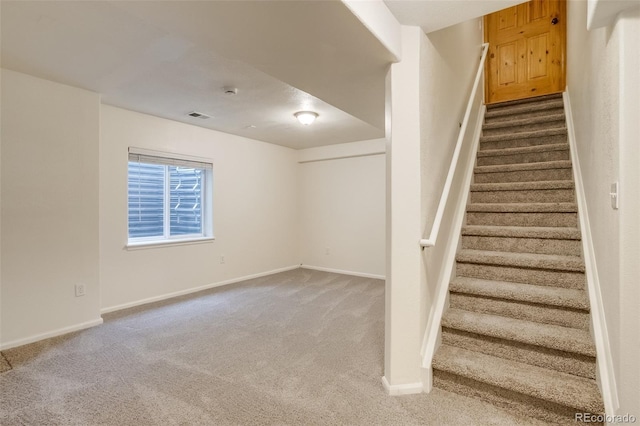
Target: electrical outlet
(80,290)
(327,251)
(222,259)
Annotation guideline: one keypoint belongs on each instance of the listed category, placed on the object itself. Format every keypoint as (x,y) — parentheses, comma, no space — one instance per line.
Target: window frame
(167,160)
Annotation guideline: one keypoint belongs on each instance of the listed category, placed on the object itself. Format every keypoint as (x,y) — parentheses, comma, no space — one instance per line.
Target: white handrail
(435,228)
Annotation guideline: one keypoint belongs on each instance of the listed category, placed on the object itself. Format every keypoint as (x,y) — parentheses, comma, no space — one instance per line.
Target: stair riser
(564,279)
(522,219)
(520,143)
(538,101)
(524,128)
(579,365)
(523,245)
(533,157)
(523,176)
(518,115)
(525,196)
(512,401)
(544,314)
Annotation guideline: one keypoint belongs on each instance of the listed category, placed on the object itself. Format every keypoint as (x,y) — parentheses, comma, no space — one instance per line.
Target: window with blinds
(168,198)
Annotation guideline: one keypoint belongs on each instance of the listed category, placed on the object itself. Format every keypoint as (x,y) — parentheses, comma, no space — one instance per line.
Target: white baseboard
(341,271)
(604,359)
(48,335)
(193,290)
(404,389)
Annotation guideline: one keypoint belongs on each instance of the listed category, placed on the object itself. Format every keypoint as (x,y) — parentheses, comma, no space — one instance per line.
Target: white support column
(403,311)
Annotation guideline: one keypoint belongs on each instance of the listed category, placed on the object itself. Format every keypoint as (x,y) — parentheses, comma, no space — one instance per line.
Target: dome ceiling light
(306,117)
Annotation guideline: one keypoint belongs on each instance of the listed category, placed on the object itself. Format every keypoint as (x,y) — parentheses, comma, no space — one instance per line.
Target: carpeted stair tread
(4,364)
(523,121)
(543,165)
(524,108)
(525,191)
(535,99)
(522,186)
(546,335)
(523,150)
(522,260)
(554,296)
(523,207)
(557,387)
(516,332)
(576,364)
(543,232)
(525,135)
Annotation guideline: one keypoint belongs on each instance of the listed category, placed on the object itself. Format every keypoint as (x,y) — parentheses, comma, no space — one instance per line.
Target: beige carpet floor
(295,348)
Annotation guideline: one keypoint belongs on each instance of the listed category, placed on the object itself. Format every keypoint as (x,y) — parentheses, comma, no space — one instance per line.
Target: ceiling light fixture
(306,117)
(230,91)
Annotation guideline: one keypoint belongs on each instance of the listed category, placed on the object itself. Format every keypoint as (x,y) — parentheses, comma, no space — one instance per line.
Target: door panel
(507,54)
(526,50)
(537,46)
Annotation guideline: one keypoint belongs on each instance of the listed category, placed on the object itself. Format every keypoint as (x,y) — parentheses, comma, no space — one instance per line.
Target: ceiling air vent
(196,114)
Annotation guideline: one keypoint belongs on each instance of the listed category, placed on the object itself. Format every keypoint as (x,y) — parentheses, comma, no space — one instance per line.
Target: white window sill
(164,243)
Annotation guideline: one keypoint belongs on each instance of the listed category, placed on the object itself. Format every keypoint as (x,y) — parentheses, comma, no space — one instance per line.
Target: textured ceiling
(167,58)
(433,15)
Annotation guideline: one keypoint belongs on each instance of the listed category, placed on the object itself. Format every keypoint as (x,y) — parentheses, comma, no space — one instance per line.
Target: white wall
(449,61)
(603,85)
(0,209)
(341,199)
(254,202)
(50,136)
(629,382)
(403,302)
(63,213)
(428,93)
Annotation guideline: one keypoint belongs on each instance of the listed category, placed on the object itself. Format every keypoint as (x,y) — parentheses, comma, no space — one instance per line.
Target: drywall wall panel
(449,61)
(254,210)
(342,209)
(629,381)
(50,135)
(403,304)
(602,77)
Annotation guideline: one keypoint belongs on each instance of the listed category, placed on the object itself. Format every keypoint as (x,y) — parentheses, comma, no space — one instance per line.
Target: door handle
(554,21)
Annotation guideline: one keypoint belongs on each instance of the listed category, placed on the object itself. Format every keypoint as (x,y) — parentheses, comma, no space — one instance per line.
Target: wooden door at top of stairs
(527,46)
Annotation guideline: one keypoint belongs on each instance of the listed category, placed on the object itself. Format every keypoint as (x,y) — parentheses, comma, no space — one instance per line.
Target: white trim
(169,155)
(194,290)
(140,245)
(343,150)
(404,389)
(341,271)
(604,358)
(341,157)
(435,228)
(432,331)
(49,334)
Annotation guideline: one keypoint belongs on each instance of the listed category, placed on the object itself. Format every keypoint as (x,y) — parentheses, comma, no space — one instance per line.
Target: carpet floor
(296,348)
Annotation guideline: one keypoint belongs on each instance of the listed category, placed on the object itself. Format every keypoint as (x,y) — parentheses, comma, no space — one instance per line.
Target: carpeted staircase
(517,329)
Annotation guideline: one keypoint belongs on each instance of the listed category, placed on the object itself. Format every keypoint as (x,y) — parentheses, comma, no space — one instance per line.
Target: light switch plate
(615,196)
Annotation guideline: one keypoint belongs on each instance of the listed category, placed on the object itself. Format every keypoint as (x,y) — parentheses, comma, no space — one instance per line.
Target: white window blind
(167,197)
